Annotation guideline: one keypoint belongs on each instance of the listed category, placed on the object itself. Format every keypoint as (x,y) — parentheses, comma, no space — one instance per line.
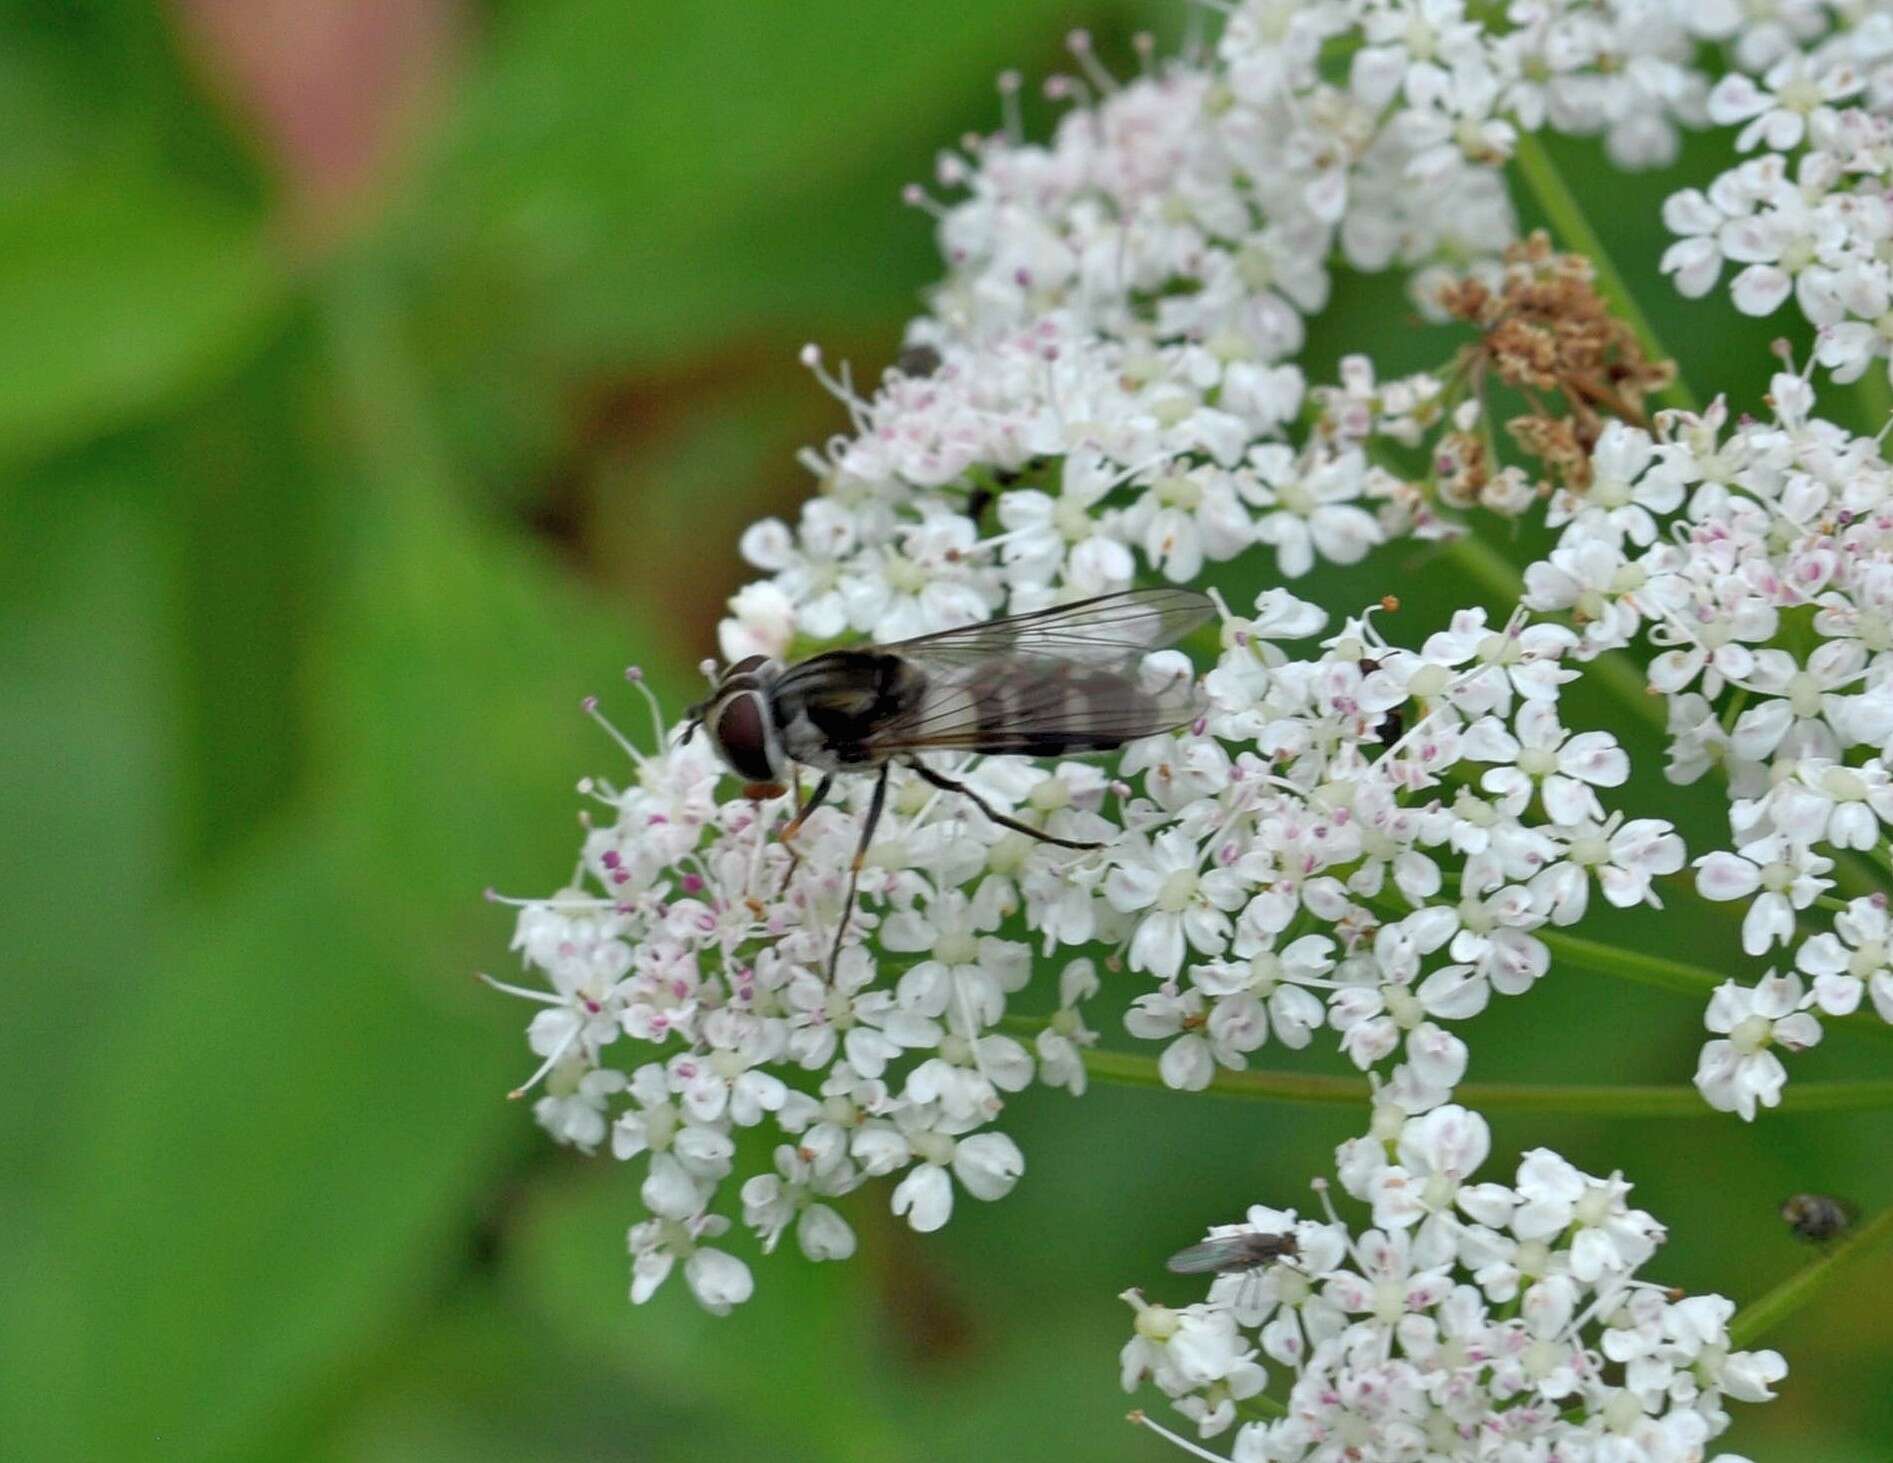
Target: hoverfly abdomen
(1046,710)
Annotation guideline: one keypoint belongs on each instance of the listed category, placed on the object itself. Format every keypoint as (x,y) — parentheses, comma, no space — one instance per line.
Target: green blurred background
(376,380)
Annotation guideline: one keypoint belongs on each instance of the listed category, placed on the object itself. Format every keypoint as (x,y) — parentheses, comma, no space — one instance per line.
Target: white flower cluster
(1474,1321)
(1752,557)
(1203,202)
(1809,215)
(1373,838)
(1337,870)
(1365,840)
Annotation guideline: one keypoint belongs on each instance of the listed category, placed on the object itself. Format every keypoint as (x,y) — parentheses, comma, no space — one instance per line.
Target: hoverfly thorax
(740,721)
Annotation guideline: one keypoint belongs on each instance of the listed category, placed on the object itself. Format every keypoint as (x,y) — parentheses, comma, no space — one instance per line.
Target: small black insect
(1230,1254)
(1393,722)
(1816,1218)
(917,360)
(1036,685)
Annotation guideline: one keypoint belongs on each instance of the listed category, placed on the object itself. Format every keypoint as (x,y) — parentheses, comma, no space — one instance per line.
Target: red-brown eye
(743,739)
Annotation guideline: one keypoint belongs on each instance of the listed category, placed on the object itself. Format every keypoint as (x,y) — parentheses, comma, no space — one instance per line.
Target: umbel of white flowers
(1370,832)
(1474,1320)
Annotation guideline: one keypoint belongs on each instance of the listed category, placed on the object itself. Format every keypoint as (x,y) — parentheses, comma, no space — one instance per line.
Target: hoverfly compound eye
(741,729)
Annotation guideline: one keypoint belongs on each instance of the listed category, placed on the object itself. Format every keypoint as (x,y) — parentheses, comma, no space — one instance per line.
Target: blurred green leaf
(626,186)
(123,290)
(574,1270)
(87,715)
(282,1134)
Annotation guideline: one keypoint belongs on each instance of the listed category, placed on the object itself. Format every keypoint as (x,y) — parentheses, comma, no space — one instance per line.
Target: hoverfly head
(740,722)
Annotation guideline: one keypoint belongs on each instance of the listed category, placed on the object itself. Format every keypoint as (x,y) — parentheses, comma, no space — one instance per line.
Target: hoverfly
(1034,685)
(1816,1218)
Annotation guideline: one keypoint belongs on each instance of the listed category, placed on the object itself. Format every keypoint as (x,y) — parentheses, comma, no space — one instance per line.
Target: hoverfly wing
(1003,706)
(1063,680)
(1107,629)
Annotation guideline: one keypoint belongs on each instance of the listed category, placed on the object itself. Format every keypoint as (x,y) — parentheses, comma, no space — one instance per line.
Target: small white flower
(719,1281)
(1779,109)
(986,1164)
(1738,1070)
(1623,856)
(772,1202)
(1787,876)
(1856,955)
(1310,507)
(1562,768)
(1062,1044)
(573,1109)
(1182,905)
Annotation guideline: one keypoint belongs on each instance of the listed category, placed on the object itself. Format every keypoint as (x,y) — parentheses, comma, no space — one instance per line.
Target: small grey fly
(1044,684)
(1229,1254)
(1816,1218)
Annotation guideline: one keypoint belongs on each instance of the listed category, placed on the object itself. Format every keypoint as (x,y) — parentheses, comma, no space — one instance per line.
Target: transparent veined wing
(1069,679)
(1108,630)
(1222,1254)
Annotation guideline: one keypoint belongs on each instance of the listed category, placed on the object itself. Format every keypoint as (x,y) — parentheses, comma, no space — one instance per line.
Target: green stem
(1568,221)
(1756,1320)
(1671,975)
(1262,1407)
(1633,965)
(1129,1069)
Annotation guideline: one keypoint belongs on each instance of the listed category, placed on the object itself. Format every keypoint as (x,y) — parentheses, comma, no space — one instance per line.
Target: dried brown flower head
(1547,333)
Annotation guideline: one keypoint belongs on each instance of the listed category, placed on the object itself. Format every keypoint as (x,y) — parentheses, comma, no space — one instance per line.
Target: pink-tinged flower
(1624,857)
(1783,876)
(1182,905)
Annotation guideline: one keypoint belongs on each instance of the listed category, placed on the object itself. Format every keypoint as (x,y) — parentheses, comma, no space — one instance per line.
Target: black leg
(794,825)
(947,784)
(803,809)
(868,824)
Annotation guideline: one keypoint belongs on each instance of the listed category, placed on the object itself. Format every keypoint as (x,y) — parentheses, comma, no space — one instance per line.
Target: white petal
(988,1165)
(1722,875)
(1760,289)
(823,1234)
(925,1196)
(1186,1064)
(719,1281)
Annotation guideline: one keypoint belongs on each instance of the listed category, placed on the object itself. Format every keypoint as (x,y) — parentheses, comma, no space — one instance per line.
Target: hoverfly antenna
(691,728)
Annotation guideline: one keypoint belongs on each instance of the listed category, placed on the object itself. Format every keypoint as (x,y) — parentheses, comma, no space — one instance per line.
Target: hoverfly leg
(947,784)
(803,809)
(794,825)
(868,824)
